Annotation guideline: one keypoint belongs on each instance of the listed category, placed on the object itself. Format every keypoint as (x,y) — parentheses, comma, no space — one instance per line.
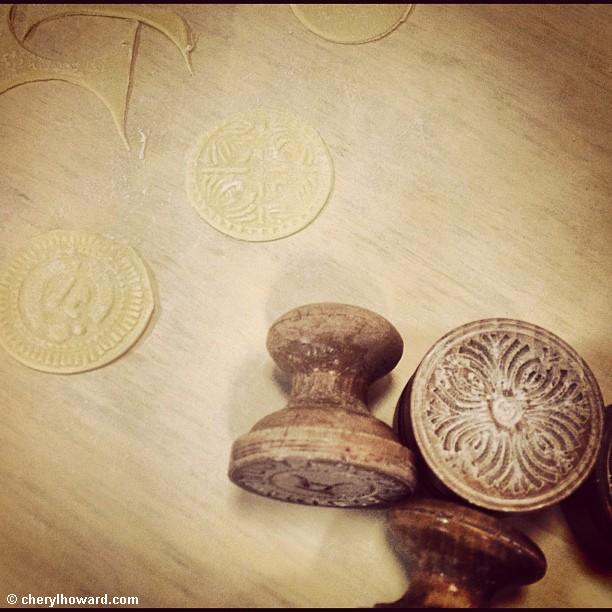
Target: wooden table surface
(472,150)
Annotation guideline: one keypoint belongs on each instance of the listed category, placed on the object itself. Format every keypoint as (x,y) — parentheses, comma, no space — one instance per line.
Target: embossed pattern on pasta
(506,413)
(72,301)
(260,175)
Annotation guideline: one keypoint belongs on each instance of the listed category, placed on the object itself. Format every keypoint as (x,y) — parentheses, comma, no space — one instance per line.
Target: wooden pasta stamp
(325,448)
(505,414)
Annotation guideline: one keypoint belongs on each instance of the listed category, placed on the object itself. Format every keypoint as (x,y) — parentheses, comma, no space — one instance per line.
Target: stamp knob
(458,557)
(324,448)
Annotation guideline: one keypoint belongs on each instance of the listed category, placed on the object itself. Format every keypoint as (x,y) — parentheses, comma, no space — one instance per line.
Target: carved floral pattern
(509,413)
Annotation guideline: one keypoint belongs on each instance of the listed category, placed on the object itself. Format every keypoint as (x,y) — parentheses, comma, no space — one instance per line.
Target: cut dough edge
(170,24)
(100,76)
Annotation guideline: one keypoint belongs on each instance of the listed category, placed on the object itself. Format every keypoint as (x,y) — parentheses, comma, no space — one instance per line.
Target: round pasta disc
(260,175)
(351,23)
(73,301)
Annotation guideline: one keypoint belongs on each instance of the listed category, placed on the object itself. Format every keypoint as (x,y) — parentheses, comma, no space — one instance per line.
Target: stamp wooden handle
(459,557)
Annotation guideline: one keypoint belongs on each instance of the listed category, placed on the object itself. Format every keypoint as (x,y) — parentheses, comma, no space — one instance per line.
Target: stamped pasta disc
(506,415)
(351,23)
(72,301)
(260,175)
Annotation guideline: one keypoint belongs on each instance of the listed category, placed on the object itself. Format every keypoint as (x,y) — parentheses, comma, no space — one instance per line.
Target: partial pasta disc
(351,23)
(170,24)
(108,77)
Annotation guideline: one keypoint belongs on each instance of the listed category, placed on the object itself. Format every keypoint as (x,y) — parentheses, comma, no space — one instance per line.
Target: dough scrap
(72,301)
(108,77)
(170,24)
(260,175)
(351,23)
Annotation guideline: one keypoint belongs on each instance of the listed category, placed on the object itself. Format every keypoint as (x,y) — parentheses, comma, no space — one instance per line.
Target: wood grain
(472,153)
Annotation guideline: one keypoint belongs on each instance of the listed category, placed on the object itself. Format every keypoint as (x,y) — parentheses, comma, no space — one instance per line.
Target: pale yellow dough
(108,77)
(170,24)
(72,301)
(260,175)
(351,23)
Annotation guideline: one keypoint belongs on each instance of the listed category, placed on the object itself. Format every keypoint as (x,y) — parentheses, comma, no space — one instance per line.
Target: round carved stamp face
(350,23)
(506,414)
(72,301)
(260,175)
(319,482)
